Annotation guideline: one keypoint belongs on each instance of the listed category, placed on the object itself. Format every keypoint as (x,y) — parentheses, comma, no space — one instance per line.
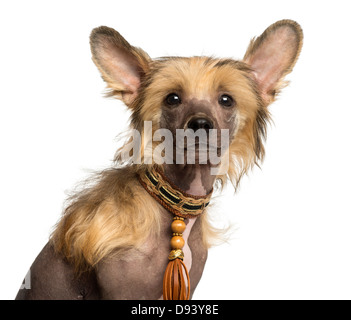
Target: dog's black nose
(200,123)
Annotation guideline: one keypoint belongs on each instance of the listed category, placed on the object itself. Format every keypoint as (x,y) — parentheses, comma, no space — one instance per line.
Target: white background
(291,218)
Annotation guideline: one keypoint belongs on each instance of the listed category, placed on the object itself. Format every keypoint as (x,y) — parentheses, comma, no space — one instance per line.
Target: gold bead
(178,226)
(177,242)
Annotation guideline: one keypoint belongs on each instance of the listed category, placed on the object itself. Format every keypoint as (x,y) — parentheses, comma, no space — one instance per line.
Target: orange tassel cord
(174,285)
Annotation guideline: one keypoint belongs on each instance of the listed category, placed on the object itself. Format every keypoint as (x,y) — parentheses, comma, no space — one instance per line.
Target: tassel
(174,286)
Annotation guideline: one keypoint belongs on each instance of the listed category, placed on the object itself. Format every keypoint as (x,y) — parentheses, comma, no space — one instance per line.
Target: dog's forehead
(197,76)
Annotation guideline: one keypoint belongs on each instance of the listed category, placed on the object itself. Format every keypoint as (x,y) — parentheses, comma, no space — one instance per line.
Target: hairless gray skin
(137,276)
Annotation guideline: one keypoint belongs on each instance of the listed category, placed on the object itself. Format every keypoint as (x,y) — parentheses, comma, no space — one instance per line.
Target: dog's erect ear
(122,66)
(273,55)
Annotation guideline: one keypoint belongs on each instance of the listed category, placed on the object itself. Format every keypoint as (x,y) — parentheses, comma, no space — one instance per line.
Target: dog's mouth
(204,147)
(199,152)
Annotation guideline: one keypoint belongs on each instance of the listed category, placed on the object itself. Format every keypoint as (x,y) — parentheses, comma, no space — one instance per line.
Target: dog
(140,230)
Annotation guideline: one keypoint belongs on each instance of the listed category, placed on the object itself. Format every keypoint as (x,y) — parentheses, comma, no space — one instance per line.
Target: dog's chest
(139,275)
(187,251)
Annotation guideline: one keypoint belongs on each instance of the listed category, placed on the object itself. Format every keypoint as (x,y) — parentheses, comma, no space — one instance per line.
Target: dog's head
(201,92)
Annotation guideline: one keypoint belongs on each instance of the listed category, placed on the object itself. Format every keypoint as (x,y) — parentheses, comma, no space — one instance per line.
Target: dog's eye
(226,101)
(173,99)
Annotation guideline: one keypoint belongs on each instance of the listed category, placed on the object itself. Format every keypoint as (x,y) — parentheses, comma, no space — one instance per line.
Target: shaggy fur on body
(112,241)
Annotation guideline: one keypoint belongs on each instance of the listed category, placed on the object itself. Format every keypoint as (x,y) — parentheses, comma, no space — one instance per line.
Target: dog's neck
(191,178)
(184,191)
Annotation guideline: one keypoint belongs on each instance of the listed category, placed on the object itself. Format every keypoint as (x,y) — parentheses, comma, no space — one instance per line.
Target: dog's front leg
(137,275)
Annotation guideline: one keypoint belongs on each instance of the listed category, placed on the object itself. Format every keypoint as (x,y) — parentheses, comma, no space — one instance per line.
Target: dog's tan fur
(114,214)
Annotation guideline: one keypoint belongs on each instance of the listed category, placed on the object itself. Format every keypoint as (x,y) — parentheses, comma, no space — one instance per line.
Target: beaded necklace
(182,205)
